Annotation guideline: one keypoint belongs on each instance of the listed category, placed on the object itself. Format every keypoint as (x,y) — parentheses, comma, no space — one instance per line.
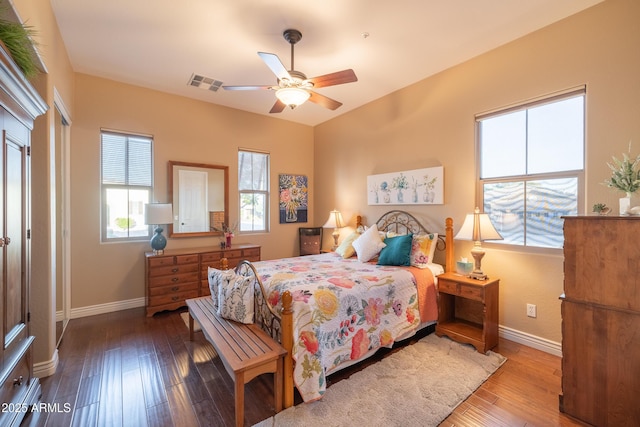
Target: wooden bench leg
(239,395)
(278,384)
(190,326)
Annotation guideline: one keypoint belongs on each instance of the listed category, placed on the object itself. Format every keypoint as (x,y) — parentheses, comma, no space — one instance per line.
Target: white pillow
(235,298)
(369,244)
(215,277)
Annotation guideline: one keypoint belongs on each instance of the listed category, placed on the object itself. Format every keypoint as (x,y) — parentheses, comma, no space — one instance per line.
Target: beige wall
(183,130)
(432,123)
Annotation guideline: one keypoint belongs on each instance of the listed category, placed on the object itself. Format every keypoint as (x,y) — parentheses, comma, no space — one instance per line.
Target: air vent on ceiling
(205,83)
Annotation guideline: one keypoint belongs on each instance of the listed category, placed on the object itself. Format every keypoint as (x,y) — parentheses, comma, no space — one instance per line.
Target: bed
(330,312)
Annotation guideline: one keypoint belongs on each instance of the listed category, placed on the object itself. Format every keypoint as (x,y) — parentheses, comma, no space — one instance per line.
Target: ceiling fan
(294,88)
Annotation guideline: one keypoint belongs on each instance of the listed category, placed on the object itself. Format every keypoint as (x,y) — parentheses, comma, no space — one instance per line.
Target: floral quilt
(342,310)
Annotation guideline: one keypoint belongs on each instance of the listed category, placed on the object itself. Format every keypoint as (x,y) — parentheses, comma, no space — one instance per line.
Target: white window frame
(528,177)
(123,186)
(254,191)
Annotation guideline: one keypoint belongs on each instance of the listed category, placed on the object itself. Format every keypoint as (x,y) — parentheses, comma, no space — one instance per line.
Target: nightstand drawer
(471,292)
(448,287)
(461,290)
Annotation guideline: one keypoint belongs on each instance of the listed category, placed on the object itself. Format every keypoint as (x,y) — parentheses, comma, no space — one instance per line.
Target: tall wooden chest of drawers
(601,320)
(181,274)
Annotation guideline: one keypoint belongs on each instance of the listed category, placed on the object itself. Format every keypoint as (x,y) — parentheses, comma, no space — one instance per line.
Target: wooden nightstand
(468,310)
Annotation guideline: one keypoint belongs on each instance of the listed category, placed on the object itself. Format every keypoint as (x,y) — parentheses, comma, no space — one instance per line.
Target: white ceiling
(159,44)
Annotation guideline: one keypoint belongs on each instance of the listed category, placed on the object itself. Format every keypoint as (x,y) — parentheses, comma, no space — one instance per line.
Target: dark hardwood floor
(124,369)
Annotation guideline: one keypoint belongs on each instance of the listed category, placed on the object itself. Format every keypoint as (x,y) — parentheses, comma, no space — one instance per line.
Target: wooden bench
(245,350)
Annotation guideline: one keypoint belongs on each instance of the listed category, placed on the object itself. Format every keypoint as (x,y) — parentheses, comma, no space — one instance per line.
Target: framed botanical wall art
(293,190)
(413,187)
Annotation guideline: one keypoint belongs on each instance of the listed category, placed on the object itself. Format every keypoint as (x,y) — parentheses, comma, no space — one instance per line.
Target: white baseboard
(110,307)
(46,368)
(59,316)
(542,344)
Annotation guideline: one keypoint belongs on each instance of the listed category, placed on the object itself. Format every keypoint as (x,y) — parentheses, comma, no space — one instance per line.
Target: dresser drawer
(178,297)
(187,259)
(232,253)
(173,260)
(17,383)
(172,289)
(212,258)
(172,269)
(251,253)
(174,279)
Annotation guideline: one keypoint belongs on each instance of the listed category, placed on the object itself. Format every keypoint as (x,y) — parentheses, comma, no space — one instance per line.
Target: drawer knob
(175,279)
(175,270)
(175,298)
(17,381)
(175,288)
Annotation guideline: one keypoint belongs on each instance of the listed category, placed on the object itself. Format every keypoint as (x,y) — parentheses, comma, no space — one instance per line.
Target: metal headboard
(401,222)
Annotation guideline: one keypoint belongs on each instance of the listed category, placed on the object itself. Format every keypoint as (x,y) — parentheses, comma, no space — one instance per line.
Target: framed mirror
(200,197)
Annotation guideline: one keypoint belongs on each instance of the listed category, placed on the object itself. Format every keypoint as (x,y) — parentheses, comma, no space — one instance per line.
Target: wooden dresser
(180,274)
(601,320)
(20,104)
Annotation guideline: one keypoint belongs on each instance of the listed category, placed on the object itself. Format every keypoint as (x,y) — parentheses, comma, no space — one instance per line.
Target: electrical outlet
(531,310)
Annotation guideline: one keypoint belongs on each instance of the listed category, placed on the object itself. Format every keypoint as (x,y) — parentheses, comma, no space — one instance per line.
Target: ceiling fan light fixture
(292,96)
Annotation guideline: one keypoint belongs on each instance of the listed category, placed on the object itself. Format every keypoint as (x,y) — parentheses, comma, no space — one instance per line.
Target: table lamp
(158,214)
(478,227)
(335,221)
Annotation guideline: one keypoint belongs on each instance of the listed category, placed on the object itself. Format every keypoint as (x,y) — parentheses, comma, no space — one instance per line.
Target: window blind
(126,160)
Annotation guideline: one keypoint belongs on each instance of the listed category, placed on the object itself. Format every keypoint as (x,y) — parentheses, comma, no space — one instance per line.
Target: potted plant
(18,40)
(601,209)
(625,177)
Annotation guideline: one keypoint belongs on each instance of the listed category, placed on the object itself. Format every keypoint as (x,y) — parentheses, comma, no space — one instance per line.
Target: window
(532,167)
(253,188)
(126,176)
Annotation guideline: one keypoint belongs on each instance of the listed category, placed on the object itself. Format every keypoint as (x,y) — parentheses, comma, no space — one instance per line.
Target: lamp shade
(335,220)
(478,227)
(292,96)
(158,213)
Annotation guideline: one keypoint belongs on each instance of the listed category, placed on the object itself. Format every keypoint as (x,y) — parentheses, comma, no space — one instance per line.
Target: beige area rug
(185,319)
(419,385)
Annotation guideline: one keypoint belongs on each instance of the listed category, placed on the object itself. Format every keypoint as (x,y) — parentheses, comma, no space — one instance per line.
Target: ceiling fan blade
(262,87)
(275,65)
(277,107)
(324,101)
(337,78)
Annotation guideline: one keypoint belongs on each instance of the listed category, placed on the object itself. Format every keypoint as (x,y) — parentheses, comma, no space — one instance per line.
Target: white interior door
(192,213)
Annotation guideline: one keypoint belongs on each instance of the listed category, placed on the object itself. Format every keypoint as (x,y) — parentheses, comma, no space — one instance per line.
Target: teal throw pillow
(397,251)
